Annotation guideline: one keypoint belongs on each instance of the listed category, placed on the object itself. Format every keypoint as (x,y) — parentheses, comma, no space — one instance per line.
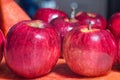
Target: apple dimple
(91,15)
(72,20)
(36,24)
(86,30)
(87,13)
(97,20)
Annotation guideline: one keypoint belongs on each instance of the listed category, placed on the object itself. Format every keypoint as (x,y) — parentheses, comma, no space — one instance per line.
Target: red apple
(89,52)
(114,25)
(2,42)
(47,14)
(118,56)
(32,48)
(97,20)
(63,26)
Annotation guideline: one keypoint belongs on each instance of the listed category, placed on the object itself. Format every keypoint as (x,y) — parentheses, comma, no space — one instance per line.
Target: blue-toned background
(30,6)
(104,7)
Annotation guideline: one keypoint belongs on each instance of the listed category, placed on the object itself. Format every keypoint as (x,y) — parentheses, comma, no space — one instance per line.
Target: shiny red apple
(2,44)
(32,48)
(89,52)
(63,26)
(114,25)
(47,14)
(97,20)
(118,56)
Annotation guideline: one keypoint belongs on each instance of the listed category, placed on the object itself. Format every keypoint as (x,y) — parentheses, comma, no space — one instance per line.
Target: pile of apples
(88,42)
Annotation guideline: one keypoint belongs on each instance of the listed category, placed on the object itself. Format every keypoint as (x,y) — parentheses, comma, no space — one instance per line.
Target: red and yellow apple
(48,14)
(97,20)
(114,25)
(2,45)
(63,25)
(89,51)
(32,48)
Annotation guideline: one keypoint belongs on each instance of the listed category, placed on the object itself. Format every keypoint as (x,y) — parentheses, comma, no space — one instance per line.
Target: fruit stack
(31,47)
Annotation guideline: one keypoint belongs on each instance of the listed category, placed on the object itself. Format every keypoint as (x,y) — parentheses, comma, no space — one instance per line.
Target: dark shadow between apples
(5,73)
(60,69)
(64,71)
(116,67)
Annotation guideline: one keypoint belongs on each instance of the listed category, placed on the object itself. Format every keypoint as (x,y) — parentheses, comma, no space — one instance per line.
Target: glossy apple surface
(114,25)
(63,26)
(47,14)
(118,56)
(89,52)
(2,44)
(32,48)
(97,20)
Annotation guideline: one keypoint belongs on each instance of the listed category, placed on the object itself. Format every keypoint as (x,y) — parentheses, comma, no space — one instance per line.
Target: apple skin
(118,55)
(98,20)
(63,25)
(89,52)
(32,48)
(2,44)
(48,14)
(114,25)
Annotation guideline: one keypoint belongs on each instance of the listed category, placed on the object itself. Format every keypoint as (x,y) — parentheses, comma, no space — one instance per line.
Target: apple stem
(90,25)
(74,6)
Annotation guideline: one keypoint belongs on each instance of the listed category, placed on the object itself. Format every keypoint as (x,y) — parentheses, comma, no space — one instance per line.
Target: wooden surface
(60,72)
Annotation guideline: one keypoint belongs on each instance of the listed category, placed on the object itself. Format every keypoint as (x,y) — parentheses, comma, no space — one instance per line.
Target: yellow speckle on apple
(86,30)
(91,15)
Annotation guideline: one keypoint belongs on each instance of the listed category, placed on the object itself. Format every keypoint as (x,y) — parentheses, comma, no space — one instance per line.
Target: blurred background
(103,7)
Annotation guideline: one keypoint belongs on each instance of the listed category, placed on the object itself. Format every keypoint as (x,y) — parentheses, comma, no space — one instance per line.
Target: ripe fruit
(10,14)
(114,25)
(48,14)
(32,48)
(97,20)
(63,26)
(89,52)
(2,42)
(118,57)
